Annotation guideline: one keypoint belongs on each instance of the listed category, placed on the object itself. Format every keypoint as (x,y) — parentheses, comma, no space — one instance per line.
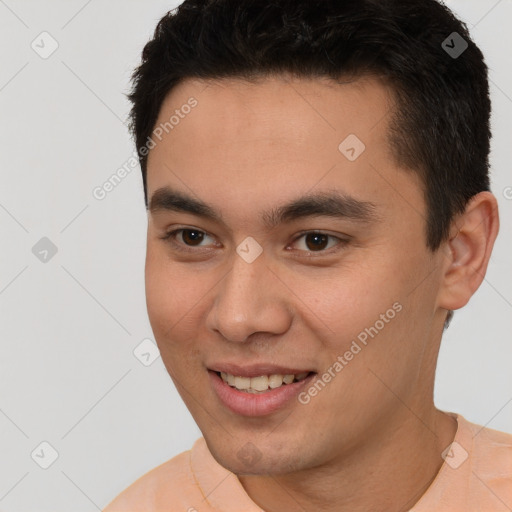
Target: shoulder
(488,443)
(491,465)
(171,482)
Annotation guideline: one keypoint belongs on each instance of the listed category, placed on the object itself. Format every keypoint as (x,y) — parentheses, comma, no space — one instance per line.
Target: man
(316,178)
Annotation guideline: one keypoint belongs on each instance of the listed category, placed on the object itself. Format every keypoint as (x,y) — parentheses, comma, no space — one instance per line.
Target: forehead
(249,144)
(283,114)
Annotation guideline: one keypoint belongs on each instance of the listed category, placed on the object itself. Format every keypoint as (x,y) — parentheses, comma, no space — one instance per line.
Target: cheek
(365,309)
(348,300)
(163,302)
(173,304)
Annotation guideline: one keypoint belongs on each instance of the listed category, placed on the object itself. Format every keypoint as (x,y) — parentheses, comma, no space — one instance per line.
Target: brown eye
(192,236)
(318,242)
(189,239)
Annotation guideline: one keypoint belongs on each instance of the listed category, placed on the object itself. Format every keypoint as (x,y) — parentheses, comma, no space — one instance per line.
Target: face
(273,250)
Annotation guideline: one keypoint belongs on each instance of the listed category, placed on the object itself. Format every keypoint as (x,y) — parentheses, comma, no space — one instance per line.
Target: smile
(260,391)
(262,383)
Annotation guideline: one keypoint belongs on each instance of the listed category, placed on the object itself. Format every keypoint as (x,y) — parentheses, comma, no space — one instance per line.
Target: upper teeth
(261,383)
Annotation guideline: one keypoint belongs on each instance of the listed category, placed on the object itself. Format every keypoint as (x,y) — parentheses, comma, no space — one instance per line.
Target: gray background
(69,325)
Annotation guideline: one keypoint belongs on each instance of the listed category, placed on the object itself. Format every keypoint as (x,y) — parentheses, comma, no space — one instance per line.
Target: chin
(245,458)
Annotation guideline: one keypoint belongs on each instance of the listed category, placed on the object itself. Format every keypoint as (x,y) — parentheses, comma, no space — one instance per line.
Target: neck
(389,473)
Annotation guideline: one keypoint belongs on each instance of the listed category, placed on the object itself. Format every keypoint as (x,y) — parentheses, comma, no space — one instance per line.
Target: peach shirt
(476,476)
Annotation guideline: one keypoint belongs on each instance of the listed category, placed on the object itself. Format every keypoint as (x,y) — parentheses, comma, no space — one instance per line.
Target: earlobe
(469,250)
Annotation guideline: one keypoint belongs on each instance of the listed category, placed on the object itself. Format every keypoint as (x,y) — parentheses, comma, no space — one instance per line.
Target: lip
(261,404)
(256,370)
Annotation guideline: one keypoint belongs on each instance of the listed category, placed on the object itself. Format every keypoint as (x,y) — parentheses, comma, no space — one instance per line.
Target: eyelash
(184,248)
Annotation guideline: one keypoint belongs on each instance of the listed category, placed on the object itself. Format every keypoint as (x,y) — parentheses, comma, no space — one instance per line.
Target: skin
(372,438)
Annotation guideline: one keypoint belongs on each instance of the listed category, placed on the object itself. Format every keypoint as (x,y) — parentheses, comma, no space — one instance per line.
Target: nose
(250,299)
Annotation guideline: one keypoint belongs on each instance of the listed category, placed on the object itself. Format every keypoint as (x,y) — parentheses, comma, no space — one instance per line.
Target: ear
(468,251)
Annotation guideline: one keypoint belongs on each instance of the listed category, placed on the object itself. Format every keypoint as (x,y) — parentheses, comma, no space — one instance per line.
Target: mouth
(261,383)
(259,390)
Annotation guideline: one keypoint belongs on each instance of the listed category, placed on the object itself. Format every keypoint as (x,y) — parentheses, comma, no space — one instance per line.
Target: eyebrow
(328,204)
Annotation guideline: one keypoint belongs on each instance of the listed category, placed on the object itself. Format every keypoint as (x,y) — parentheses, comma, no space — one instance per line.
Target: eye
(190,238)
(318,241)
